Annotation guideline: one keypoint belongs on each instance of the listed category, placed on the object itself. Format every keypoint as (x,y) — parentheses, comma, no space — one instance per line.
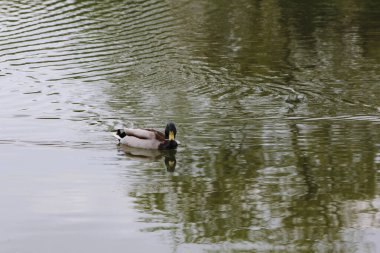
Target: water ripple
(102,64)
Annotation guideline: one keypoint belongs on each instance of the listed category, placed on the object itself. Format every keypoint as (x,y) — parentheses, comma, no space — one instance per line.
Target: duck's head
(170,133)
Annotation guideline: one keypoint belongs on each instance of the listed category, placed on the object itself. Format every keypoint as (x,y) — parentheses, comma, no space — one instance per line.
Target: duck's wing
(157,134)
(140,133)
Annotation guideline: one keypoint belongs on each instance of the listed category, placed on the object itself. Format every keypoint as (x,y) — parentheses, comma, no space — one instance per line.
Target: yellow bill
(171,136)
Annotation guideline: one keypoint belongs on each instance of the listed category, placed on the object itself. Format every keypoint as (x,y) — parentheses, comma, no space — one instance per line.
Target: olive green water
(277,105)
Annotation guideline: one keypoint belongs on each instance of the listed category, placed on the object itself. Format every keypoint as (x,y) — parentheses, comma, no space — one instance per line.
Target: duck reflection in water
(170,161)
(152,155)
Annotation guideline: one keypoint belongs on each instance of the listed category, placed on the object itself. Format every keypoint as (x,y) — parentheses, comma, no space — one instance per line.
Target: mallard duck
(148,138)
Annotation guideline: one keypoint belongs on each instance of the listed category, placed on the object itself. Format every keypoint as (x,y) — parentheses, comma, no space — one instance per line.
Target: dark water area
(276,104)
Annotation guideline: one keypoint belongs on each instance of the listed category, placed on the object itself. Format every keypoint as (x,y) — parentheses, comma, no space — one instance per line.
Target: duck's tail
(119,134)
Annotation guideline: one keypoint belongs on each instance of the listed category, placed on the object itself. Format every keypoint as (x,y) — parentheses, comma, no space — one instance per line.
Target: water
(277,109)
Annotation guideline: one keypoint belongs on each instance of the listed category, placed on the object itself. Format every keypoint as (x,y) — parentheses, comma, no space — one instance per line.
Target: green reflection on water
(248,173)
(300,197)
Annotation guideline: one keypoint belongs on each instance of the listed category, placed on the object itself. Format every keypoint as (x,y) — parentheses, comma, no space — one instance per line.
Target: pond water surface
(276,104)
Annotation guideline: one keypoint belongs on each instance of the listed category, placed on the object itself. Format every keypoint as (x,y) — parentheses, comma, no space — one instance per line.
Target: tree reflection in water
(277,101)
